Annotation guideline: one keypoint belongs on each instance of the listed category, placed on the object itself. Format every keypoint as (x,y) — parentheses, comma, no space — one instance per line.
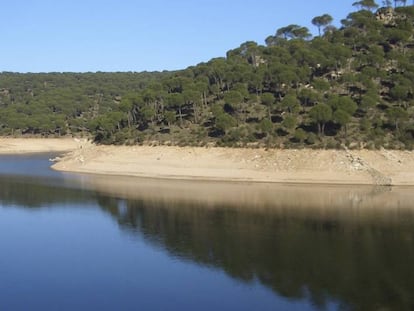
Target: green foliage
(351,85)
(345,104)
(396,115)
(320,21)
(300,135)
(321,85)
(311,139)
(321,114)
(170,117)
(341,117)
(290,103)
(267,99)
(266,126)
(293,32)
(369,100)
(233,98)
(225,122)
(366,4)
(289,122)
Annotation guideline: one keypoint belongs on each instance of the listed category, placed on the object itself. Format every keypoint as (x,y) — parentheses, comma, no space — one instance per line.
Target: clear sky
(138,35)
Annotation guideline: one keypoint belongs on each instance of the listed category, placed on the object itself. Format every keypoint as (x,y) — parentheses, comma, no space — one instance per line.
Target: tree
(217,72)
(222,120)
(369,100)
(130,105)
(248,51)
(192,97)
(321,85)
(266,126)
(293,32)
(322,21)
(290,103)
(148,114)
(176,100)
(106,125)
(342,118)
(268,99)
(235,100)
(366,4)
(321,114)
(396,115)
(308,97)
(170,117)
(400,93)
(289,122)
(300,135)
(343,103)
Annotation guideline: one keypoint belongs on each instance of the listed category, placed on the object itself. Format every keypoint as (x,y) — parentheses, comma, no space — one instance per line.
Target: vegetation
(350,86)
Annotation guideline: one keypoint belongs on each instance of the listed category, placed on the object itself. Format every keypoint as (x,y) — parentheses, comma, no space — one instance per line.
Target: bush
(311,139)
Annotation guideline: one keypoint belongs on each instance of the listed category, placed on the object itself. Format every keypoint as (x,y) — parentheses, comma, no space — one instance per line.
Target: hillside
(349,86)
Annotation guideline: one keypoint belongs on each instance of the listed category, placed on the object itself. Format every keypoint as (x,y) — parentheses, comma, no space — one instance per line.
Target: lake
(83,242)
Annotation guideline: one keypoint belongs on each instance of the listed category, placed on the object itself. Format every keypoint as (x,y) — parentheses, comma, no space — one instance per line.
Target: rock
(388,16)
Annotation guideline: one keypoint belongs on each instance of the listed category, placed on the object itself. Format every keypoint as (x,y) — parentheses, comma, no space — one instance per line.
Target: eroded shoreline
(360,167)
(38,145)
(366,167)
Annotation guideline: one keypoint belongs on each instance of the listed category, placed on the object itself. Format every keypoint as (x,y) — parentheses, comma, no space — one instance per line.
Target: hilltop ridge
(349,87)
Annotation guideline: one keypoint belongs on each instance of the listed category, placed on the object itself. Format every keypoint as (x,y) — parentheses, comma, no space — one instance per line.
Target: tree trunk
(181,115)
(201,104)
(129,119)
(195,111)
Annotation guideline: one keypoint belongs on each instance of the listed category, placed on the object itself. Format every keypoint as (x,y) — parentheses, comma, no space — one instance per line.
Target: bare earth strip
(381,167)
(36,145)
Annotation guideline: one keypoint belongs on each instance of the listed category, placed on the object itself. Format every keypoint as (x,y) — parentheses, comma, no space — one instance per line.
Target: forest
(349,86)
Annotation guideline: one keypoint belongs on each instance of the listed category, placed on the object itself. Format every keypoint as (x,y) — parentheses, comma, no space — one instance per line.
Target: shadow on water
(28,181)
(37,192)
(354,245)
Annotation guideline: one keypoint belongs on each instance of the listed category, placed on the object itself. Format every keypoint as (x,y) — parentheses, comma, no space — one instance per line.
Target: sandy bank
(35,145)
(283,166)
(381,167)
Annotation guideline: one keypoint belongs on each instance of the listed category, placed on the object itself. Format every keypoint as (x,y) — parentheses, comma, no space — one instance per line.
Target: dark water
(111,243)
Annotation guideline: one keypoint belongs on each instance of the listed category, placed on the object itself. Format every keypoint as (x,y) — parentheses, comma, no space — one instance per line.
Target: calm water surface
(72,242)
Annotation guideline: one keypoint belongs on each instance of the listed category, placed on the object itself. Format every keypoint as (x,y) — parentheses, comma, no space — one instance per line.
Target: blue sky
(137,35)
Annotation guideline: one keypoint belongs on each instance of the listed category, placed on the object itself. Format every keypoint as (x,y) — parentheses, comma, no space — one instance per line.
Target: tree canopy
(351,85)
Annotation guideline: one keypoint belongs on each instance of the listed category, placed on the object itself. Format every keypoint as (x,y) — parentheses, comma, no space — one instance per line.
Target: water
(110,243)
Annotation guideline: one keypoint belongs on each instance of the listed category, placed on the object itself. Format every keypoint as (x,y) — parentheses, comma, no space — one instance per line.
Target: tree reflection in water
(352,245)
(356,250)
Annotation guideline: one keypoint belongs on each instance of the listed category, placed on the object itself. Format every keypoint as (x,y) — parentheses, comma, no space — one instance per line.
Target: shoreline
(9,146)
(284,166)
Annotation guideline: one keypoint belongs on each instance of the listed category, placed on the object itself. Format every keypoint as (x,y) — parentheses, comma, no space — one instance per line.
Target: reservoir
(84,242)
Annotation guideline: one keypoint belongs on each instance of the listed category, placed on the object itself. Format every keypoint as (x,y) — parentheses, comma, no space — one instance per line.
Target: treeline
(62,103)
(350,86)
